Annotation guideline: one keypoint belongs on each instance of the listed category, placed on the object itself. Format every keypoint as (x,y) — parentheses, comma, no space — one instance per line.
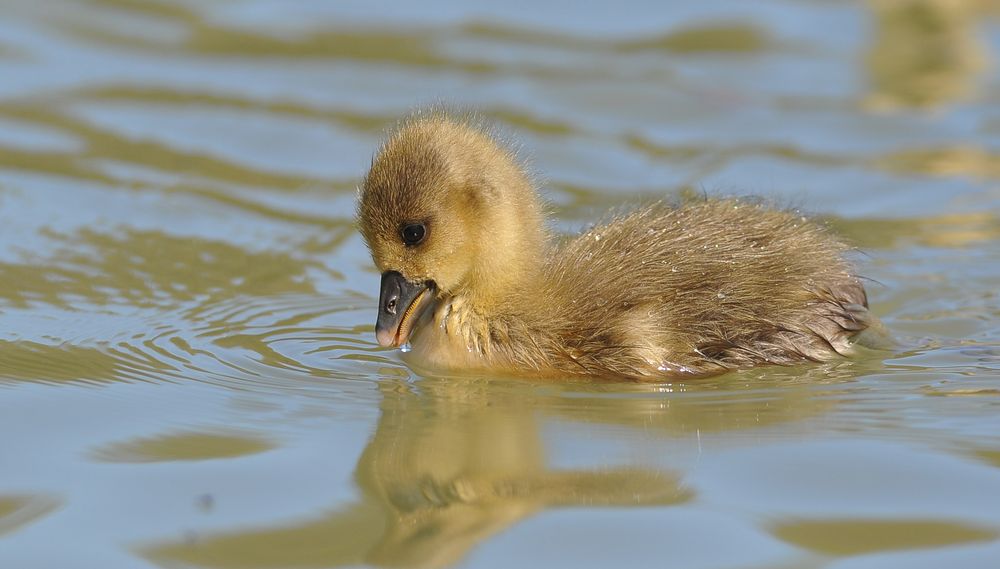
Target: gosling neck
(509,257)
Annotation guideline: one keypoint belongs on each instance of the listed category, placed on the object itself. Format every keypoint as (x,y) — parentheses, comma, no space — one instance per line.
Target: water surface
(188,372)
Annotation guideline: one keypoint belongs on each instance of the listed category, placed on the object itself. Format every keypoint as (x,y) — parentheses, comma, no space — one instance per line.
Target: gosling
(473,280)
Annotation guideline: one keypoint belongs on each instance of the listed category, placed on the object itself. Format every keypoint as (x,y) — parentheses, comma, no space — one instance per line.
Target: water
(188,372)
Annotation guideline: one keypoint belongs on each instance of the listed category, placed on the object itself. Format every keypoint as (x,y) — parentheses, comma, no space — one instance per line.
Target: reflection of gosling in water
(472,279)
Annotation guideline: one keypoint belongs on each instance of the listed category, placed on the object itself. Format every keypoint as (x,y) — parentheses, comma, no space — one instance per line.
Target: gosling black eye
(413,233)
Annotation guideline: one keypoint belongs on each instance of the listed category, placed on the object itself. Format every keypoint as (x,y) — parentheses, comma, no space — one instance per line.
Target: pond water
(188,371)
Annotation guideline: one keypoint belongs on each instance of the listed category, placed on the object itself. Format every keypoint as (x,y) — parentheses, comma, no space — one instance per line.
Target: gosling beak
(399,305)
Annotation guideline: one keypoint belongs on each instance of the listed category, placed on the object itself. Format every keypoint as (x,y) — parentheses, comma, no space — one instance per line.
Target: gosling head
(446,212)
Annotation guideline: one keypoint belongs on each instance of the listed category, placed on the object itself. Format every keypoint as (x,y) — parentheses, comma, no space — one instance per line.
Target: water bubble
(406,348)
(670,366)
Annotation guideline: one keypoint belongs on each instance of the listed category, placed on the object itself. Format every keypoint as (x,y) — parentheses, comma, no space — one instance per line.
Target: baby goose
(472,279)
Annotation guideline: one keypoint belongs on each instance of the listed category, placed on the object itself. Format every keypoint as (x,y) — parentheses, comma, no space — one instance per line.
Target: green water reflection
(925,52)
(19,511)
